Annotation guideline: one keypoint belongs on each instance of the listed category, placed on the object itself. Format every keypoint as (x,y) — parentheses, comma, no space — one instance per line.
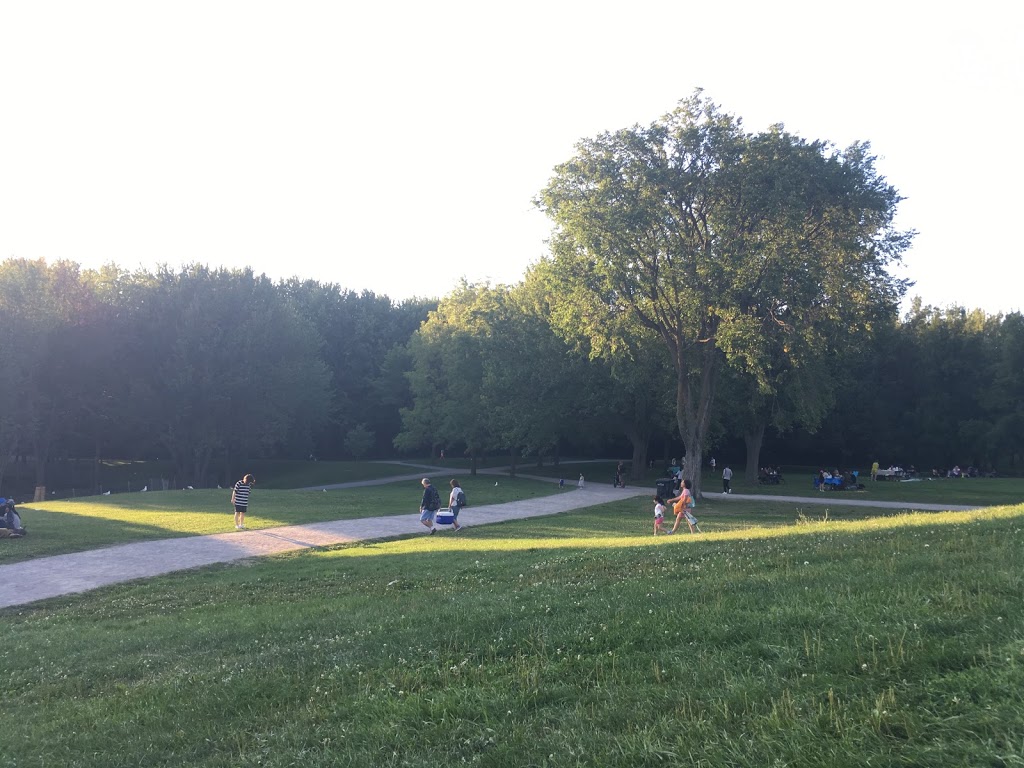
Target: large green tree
(451,402)
(489,374)
(625,389)
(730,246)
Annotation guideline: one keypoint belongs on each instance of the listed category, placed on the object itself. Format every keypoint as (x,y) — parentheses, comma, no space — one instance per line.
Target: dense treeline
(205,368)
(212,368)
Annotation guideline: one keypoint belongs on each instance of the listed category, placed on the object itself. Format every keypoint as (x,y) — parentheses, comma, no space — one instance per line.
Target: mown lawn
(975,491)
(74,525)
(576,640)
(965,491)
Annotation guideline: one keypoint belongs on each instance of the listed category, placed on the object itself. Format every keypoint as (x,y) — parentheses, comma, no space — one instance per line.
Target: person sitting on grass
(10,520)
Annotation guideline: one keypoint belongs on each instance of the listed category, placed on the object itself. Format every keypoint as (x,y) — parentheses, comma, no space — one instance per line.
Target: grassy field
(74,525)
(977,490)
(775,639)
(75,479)
(71,525)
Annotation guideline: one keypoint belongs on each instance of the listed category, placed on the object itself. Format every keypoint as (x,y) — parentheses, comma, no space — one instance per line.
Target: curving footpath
(58,575)
(67,574)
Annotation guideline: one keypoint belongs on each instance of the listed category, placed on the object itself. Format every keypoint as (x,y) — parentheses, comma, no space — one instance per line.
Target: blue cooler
(444,516)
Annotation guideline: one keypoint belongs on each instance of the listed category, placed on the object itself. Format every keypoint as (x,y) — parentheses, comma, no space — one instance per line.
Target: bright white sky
(396,146)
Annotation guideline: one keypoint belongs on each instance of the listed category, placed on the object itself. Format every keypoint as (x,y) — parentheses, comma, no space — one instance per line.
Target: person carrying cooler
(429,504)
(456,501)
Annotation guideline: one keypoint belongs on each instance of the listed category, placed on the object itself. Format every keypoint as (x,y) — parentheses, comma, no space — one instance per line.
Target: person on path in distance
(455,501)
(659,515)
(240,500)
(726,480)
(429,504)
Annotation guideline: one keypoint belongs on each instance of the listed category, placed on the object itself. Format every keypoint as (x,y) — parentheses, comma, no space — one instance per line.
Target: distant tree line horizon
(708,291)
(211,368)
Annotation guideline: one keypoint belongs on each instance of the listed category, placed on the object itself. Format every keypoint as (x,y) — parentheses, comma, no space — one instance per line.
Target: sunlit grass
(72,525)
(774,639)
(491,540)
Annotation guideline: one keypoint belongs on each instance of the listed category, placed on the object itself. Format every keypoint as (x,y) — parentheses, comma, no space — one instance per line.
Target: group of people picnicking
(910,472)
(971,471)
(837,480)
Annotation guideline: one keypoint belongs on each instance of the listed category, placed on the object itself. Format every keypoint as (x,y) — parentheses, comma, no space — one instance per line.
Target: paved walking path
(81,571)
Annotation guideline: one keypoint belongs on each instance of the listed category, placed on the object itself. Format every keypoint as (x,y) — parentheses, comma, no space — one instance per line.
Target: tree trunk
(96,467)
(640,443)
(512,469)
(693,411)
(42,451)
(753,439)
(639,461)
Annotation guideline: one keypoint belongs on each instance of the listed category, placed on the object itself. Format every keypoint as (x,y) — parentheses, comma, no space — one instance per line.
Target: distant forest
(211,368)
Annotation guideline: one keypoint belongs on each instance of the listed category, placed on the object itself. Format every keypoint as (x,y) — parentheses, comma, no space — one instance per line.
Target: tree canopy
(742,249)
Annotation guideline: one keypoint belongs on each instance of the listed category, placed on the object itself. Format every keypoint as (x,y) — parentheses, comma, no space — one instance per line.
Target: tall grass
(578,640)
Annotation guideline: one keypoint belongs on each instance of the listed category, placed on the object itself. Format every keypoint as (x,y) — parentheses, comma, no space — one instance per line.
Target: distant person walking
(240,500)
(874,470)
(429,504)
(726,480)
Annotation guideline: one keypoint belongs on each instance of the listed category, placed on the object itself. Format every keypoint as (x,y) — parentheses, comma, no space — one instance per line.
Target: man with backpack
(429,504)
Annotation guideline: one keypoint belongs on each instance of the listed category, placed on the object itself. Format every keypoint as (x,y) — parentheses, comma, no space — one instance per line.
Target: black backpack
(433,500)
(460,498)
